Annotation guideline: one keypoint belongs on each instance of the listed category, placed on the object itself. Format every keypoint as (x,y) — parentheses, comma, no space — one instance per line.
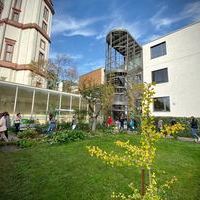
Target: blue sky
(80,26)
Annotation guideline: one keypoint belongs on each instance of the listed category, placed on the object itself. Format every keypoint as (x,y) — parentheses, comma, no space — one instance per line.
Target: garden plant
(141,156)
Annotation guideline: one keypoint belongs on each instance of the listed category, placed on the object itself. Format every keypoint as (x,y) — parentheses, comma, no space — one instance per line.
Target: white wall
(27,44)
(183,63)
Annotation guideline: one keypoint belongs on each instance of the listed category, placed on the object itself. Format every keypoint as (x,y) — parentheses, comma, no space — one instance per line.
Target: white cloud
(53,55)
(190,11)
(69,26)
(83,32)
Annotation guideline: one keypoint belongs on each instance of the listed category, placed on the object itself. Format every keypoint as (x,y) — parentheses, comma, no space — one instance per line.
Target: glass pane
(83,104)
(7,98)
(9,48)
(158,50)
(24,100)
(161,104)
(40,103)
(65,102)
(8,57)
(54,102)
(158,104)
(75,103)
(160,76)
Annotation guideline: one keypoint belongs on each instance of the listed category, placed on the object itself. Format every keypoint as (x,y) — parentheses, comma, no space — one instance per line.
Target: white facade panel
(183,63)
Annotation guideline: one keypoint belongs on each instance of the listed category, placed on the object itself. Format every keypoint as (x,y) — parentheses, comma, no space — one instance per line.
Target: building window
(46,14)
(158,50)
(9,48)
(44,26)
(17,4)
(160,76)
(41,56)
(161,104)
(1,8)
(15,16)
(42,44)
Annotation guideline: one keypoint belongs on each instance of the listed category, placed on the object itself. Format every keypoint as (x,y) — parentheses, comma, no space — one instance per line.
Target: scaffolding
(123,66)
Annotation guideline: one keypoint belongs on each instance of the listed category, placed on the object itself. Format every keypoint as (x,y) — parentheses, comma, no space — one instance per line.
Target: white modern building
(25,27)
(173,63)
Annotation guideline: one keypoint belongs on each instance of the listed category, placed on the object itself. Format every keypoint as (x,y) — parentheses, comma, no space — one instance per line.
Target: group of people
(193,125)
(5,124)
(122,123)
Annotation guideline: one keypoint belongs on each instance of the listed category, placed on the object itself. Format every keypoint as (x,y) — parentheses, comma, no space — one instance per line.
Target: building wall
(26,33)
(182,60)
(92,78)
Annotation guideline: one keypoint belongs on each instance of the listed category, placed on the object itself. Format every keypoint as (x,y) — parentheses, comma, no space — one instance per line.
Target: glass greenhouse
(37,103)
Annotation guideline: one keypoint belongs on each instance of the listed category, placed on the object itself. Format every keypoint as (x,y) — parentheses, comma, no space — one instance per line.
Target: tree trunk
(143,182)
(94,124)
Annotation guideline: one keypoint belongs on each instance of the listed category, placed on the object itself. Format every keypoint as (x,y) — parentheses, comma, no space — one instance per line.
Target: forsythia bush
(143,155)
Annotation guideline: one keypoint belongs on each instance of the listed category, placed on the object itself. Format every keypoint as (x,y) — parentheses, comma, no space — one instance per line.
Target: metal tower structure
(123,66)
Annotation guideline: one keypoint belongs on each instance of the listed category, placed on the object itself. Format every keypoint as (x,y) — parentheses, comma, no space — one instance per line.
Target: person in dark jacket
(194,128)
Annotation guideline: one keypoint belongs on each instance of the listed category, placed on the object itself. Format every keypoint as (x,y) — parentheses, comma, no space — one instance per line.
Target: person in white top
(3,127)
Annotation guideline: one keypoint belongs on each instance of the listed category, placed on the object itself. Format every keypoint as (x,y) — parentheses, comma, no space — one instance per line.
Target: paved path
(184,139)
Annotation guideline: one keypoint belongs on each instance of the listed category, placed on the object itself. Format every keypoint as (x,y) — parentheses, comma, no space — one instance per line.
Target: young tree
(141,156)
(98,97)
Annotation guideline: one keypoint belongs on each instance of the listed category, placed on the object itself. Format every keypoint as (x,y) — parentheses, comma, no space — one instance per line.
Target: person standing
(160,125)
(109,121)
(194,128)
(7,118)
(74,122)
(3,127)
(131,124)
(52,123)
(17,122)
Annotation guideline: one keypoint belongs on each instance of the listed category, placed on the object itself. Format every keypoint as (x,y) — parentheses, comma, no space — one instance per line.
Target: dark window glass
(161,104)
(41,56)
(160,76)
(1,8)
(44,26)
(158,50)
(9,52)
(42,44)
(46,14)
(15,16)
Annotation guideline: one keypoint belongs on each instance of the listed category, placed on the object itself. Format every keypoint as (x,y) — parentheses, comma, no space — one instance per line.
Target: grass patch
(68,172)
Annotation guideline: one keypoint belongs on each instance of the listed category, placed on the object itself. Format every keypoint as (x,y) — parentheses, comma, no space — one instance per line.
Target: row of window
(16,13)
(160,104)
(9,50)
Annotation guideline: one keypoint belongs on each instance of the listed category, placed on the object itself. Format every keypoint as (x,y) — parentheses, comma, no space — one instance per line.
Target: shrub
(28,134)
(63,126)
(66,136)
(41,129)
(26,143)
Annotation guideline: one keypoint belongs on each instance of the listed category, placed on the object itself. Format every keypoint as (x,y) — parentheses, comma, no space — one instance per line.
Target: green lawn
(68,172)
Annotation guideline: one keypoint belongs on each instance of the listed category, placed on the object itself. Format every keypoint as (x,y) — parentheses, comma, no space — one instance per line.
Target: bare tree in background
(56,70)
